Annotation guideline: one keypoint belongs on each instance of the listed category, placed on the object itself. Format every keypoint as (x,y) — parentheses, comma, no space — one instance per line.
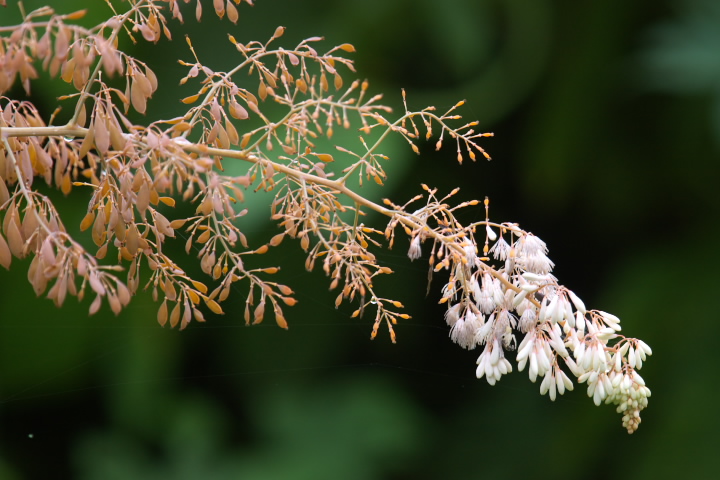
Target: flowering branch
(134,174)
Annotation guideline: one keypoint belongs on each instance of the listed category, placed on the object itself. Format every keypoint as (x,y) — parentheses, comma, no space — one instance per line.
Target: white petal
(579,305)
(580,322)
(645,347)
(550,310)
(490,233)
(560,383)
(495,354)
(525,349)
(545,385)
(534,277)
(503,366)
(521,364)
(597,398)
(533,366)
(559,312)
(566,380)
(480,371)
(609,317)
(519,298)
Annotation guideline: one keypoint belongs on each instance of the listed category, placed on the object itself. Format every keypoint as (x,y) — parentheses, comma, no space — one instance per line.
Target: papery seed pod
(270,78)
(197,314)
(232,12)
(193,296)
(237,111)
(206,207)
(323,82)
(15,240)
(232,133)
(163,225)
(259,313)
(279,31)
(102,134)
(137,97)
(58,292)
(47,252)
(169,290)
(114,303)
(219,6)
(132,238)
(214,306)
(280,319)
(262,91)
(143,198)
(162,315)
(29,227)
(204,237)
(186,316)
(253,106)
(4,193)
(117,139)
(95,305)
(175,315)
(277,239)
(207,262)
(101,252)
(87,221)
(217,271)
(5,254)
(202,288)
(123,294)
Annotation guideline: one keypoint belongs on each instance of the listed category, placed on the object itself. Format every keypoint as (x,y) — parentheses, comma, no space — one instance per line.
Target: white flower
(555,323)
(526,346)
(644,347)
(549,385)
(470,253)
(415,251)
(531,254)
(463,332)
(556,341)
(483,334)
(630,394)
(535,263)
(532,245)
(500,249)
(492,363)
(453,314)
(487,302)
(528,319)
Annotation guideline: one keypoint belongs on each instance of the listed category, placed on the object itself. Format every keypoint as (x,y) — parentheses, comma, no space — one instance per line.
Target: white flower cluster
(488,307)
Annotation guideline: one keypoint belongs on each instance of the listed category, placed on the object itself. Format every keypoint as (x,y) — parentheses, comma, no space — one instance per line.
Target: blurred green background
(607,133)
